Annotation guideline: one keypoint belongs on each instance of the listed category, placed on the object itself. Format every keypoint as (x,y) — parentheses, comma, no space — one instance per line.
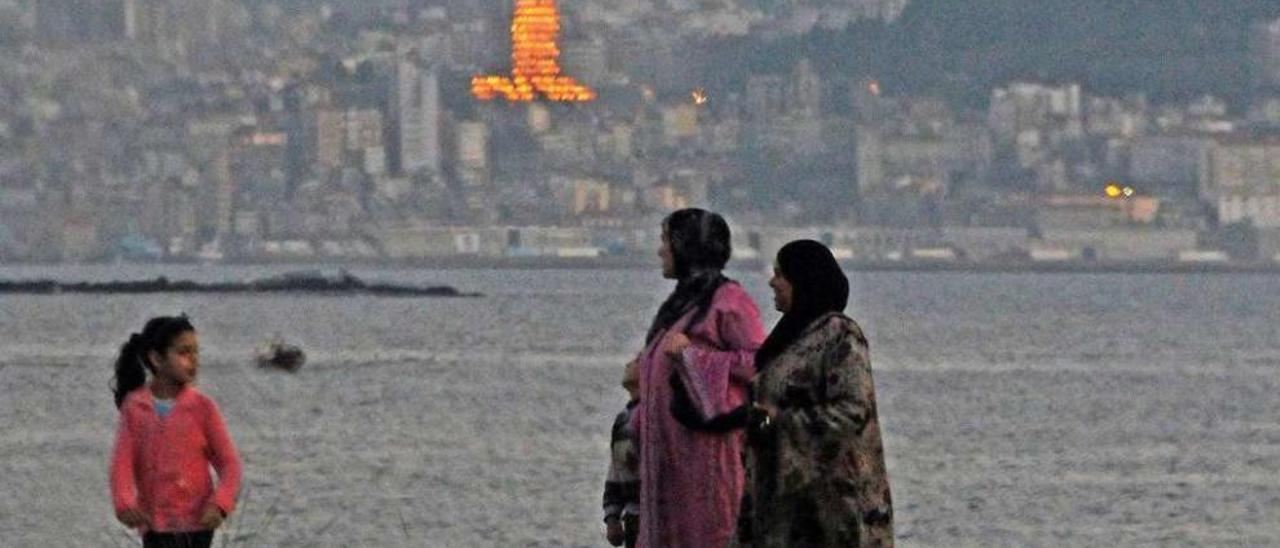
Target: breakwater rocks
(307,282)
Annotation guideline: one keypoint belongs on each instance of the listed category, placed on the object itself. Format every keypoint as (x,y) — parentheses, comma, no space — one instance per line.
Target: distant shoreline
(643,262)
(1153,267)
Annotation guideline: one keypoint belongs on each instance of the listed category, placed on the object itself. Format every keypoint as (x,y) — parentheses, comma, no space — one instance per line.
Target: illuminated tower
(535,54)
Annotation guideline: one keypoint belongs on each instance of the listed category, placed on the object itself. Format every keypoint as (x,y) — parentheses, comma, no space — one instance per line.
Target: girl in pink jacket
(169,435)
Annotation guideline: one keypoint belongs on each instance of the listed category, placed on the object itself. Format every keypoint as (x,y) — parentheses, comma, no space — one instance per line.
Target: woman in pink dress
(699,356)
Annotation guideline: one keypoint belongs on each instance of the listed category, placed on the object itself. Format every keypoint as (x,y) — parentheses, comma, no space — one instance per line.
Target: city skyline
(244,131)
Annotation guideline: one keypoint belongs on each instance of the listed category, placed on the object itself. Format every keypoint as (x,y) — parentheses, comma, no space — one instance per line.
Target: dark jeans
(197,539)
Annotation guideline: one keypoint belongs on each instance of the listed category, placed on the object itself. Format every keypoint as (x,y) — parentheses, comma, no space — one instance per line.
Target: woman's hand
(614,533)
(759,423)
(768,412)
(212,517)
(675,344)
(132,518)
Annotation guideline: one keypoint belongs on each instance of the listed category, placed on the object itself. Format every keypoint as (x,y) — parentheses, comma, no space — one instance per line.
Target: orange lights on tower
(535,54)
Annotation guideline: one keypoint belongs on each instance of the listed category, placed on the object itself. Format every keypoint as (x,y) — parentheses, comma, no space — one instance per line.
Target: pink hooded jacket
(161,466)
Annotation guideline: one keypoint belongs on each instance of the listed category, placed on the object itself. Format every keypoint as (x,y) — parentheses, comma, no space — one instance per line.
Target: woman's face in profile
(781,290)
(668,258)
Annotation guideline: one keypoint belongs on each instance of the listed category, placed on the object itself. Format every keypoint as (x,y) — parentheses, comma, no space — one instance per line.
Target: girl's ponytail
(132,364)
(130,369)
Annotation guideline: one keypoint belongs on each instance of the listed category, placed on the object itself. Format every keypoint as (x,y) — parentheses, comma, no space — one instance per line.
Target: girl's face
(782,290)
(181,361)
(668,257)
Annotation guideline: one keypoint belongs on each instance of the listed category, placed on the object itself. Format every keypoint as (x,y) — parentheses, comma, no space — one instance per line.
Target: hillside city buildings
(227,130)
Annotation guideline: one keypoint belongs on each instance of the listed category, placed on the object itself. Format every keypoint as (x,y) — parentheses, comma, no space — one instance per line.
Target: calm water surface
(1019,410)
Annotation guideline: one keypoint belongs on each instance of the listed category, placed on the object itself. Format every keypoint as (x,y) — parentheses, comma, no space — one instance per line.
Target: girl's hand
(132,518)
(212,517)
(675,344)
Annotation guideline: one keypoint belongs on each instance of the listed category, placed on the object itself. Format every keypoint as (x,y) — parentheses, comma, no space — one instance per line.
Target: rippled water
(1049,410)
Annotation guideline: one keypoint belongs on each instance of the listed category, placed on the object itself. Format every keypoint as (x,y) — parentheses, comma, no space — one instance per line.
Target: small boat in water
(281,355)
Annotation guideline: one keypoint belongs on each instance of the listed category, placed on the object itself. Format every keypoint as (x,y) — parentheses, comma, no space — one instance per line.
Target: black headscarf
(700,246)
(818,286)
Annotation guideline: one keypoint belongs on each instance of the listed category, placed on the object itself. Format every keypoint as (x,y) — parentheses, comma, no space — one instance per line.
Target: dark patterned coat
(817,475)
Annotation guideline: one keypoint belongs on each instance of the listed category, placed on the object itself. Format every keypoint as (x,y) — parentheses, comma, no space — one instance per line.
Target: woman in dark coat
(815,460)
